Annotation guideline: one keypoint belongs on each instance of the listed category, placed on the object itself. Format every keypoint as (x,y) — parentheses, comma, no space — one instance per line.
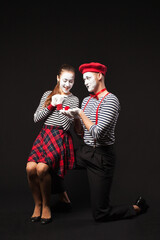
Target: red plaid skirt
(54,147)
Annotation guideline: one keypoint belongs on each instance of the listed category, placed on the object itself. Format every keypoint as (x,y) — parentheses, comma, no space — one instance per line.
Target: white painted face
(66,81)
(89,81)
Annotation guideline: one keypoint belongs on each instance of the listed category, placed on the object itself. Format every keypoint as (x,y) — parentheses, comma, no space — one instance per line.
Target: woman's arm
(42,112)
(65,120)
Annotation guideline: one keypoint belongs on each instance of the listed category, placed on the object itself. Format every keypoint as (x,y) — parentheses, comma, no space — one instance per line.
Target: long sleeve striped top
(51,115)
(104,132)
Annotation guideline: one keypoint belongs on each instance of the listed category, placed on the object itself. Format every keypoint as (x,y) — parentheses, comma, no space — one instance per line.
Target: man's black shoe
(141,203)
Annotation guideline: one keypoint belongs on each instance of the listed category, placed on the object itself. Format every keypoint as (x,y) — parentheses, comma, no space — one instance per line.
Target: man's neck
(102,93)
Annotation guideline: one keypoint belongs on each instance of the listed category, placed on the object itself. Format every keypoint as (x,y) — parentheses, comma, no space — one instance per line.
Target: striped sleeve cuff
(59,107)
(93,131)
(50,107)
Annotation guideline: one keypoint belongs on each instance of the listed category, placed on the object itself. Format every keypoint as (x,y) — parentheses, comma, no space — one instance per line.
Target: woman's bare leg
(45,186)
(35,187)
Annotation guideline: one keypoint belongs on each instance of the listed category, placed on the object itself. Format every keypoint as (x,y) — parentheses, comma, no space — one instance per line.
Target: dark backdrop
(35,41)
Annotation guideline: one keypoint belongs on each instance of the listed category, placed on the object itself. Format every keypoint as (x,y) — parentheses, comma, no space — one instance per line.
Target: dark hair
(66,67)
(56,90)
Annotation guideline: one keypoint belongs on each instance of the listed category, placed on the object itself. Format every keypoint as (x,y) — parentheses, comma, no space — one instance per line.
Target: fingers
(60,99)
(66,113)
(57,99)
(71,113)
(75,111)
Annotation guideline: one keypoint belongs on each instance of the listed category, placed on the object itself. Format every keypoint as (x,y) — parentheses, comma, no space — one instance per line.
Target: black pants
(58,185)
(100,164)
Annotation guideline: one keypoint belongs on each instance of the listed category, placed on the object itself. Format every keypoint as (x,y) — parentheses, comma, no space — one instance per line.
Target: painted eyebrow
(69,79)
(87,77)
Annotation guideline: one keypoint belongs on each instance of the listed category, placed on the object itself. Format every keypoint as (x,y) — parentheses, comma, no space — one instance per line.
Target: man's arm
(87,122)
(106,117)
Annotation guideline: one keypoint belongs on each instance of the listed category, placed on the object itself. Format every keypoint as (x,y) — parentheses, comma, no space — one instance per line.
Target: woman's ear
(57,78)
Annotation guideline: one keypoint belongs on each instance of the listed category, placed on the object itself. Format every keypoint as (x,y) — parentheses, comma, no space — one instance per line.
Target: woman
(52,152)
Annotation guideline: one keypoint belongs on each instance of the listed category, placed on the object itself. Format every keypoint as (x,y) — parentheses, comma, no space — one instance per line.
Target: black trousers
(100,165)
(58,185)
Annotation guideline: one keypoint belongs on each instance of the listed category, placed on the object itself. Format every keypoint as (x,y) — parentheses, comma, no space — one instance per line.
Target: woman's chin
(65,91)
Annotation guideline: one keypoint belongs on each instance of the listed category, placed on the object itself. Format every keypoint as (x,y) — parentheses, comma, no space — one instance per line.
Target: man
(97,118)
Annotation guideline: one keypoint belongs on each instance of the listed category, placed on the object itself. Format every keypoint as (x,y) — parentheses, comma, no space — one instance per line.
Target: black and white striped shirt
(104,131)
(52,116)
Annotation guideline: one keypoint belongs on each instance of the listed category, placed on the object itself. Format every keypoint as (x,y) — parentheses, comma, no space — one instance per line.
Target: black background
(35,40)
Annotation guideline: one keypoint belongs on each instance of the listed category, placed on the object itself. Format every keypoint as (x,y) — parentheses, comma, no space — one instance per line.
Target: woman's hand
(57,99)
(71,113)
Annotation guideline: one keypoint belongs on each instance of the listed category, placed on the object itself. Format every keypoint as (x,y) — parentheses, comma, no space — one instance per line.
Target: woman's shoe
(35,219)
(141,203)
(46,220)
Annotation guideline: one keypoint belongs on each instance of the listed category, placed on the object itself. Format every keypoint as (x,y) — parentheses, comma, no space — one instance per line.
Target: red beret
(93,67)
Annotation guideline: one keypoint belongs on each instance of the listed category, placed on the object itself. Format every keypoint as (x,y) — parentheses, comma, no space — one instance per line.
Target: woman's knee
(42,169)
(31,169)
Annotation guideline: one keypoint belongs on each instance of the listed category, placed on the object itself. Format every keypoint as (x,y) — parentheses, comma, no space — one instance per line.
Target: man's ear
(58,78)
(99,76)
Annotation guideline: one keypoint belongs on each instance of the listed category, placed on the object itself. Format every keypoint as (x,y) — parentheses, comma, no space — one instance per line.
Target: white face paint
(66,81)
(89,81)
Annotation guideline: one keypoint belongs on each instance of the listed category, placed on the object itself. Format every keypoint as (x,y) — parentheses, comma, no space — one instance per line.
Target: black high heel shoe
(35,219)
(46,220)
(141,203)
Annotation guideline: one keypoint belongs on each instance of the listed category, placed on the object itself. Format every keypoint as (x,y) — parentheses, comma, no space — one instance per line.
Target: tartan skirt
(54,147)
